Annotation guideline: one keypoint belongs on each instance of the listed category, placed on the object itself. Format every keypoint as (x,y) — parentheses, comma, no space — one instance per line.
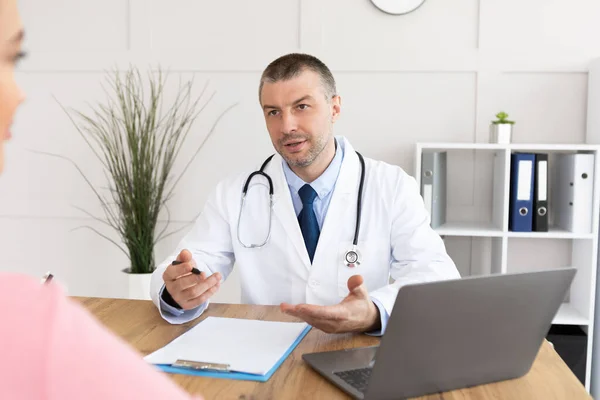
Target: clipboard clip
(202,366)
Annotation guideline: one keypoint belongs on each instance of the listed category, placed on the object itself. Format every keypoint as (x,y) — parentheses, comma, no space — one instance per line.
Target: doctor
(339,228)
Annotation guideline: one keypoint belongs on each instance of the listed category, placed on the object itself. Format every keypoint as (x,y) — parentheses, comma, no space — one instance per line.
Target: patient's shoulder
(28,317)
(27,303)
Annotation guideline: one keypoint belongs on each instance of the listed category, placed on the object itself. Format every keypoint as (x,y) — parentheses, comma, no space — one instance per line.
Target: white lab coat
(395,239)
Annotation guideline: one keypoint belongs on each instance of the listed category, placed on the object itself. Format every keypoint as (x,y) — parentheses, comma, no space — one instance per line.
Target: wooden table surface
(138,323)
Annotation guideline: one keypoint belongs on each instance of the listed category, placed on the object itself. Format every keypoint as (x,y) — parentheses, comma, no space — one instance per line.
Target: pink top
(52,348)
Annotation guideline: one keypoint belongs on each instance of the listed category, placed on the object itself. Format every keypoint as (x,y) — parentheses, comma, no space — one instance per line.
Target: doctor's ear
(336,107)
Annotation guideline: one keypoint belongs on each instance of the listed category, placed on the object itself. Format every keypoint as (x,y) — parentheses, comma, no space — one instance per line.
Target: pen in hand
(195,270)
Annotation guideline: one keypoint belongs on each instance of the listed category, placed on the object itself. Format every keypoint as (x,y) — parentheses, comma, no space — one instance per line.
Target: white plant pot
(501,133)
(138,285)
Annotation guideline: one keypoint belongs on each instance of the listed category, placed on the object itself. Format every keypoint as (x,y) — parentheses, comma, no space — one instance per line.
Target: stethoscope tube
(262,173)
(352,256)
(359,199)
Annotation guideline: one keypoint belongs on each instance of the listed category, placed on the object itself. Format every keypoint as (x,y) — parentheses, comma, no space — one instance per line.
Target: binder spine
(540,205)
(433,186)
(521,193)
(427,182)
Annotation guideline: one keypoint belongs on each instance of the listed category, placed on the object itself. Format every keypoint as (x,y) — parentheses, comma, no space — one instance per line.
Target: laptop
(452,334)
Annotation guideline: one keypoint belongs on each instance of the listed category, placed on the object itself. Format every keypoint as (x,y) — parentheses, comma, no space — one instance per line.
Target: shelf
(553,233)
(478,187)
(567,315)
(511,146)
(553,147)
(463,146)
(485,229)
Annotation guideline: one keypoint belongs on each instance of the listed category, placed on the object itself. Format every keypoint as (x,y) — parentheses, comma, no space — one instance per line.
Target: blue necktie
(308,220)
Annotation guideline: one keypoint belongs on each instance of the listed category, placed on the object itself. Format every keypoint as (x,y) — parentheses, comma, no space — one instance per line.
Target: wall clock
(397,7)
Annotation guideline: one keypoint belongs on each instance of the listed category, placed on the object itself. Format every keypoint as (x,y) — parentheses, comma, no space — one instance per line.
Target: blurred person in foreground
(51,347)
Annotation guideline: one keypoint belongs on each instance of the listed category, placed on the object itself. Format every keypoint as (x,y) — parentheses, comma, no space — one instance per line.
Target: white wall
(438,74)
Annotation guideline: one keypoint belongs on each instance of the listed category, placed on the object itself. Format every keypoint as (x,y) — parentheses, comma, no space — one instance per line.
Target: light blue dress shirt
(324,186)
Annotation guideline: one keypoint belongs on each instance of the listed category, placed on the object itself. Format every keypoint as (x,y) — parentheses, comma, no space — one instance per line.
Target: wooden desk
(139,323)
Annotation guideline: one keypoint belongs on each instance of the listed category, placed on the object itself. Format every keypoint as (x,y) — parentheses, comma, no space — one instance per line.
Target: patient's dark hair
(292,65)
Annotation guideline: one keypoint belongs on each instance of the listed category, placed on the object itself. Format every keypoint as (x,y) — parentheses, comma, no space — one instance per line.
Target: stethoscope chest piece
(352,258)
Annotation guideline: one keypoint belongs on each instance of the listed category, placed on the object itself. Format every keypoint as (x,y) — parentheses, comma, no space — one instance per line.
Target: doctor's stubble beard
(316,148)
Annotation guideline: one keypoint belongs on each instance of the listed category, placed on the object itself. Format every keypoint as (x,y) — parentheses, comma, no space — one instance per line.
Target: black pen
(195,270)
(46,279)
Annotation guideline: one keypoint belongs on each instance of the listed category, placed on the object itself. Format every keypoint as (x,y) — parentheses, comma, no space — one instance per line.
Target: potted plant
(501,129)
(137,138)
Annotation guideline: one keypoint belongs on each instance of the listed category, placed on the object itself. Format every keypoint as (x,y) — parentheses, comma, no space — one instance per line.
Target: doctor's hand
(356,313)
(186,288)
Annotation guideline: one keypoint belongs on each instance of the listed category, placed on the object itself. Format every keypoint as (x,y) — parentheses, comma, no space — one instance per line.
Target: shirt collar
(325,183)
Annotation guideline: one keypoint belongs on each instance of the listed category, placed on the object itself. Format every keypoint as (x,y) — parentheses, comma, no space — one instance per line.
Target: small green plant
(502,119)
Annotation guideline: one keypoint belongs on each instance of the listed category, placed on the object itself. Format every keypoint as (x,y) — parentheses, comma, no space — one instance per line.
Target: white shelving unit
(581,250)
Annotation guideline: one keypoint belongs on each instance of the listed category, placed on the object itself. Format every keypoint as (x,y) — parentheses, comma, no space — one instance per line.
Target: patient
(51,347)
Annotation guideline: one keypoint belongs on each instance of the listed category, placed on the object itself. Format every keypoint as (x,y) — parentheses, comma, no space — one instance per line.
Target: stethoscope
(352,258)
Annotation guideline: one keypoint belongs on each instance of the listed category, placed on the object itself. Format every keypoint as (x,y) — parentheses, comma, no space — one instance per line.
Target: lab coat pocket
(375,257)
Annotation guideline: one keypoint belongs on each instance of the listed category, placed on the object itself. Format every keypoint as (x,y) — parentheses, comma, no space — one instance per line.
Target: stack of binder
(528,206)
(572,190)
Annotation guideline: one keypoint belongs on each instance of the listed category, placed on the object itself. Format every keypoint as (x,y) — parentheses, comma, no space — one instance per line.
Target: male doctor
(316,178)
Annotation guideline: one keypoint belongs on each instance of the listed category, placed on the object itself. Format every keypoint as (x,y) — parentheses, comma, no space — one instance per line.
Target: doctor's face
(299,117)
(11,35)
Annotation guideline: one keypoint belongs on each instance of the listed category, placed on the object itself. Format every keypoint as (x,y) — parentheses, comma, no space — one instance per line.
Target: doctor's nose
(289,124)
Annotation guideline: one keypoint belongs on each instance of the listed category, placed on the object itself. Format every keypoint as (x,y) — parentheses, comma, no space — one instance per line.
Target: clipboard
(267,345)
(215,370)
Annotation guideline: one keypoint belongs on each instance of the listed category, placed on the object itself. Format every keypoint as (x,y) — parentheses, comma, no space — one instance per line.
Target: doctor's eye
(272,113)
(303,106)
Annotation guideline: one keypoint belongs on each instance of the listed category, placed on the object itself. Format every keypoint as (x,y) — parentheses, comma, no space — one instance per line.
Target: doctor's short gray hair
(291,65)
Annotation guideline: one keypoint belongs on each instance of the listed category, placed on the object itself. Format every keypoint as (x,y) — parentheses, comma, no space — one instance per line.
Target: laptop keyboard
(357,378)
